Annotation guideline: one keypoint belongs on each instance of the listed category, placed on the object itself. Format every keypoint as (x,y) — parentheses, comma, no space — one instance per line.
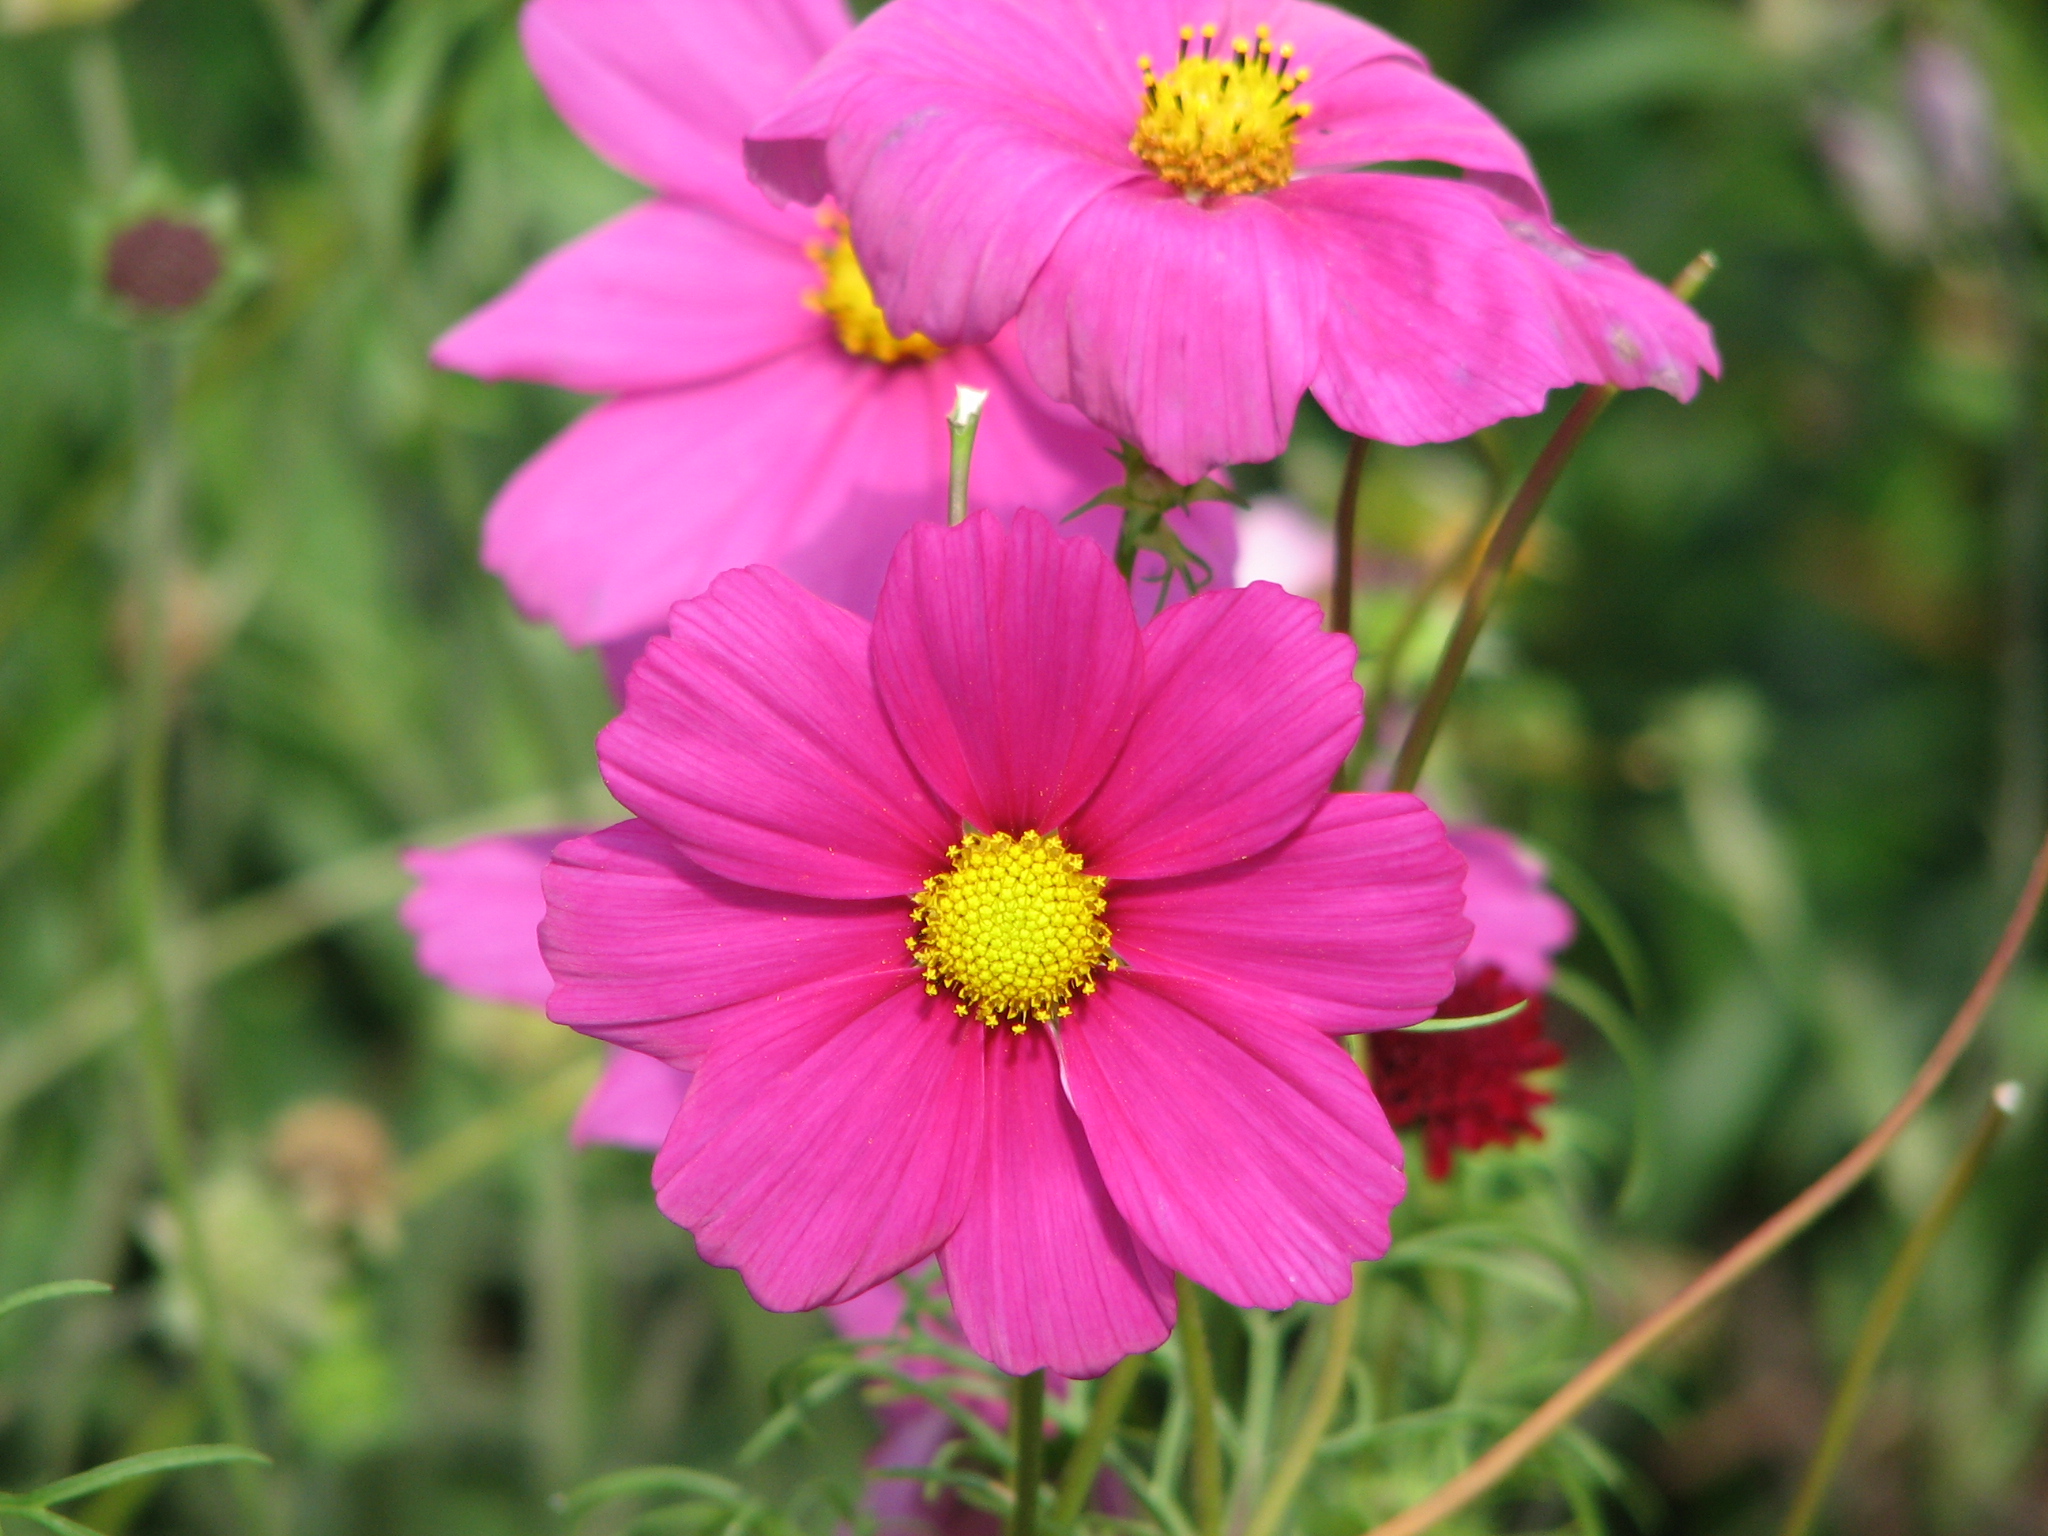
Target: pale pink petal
(1278,542)
(1517,925)
(752,735)
(1043,1271)
(873,1314)
(957,152)
(632,1103)
(650,951)
(475,913)
(1008,662)
(1615,326)
(1353,923)
(819,1156)
(1248,709)
(1246,1151)
(664,295)
(1436,324)
(665,90)
(1190,330)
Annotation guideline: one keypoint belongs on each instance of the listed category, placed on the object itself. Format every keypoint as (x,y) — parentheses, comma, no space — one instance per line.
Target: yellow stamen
(1013,929)
(848,302)
(1221,124)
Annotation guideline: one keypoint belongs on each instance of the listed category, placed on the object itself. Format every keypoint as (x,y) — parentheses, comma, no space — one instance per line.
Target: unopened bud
(162,266)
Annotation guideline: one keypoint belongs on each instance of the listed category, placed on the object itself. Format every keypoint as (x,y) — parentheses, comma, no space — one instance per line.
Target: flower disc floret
(1215,124)
(848,301)
(1013,929)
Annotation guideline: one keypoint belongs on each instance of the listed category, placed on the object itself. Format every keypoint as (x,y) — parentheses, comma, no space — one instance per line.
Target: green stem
(554,1262)
(1886,1306)
(1315,1419)
(1344,567)
(100,102)
(152,540)
(1500,554)
(1205,1470)
(963,421)
(1027,1432)
(1112,1396)
(1386,666)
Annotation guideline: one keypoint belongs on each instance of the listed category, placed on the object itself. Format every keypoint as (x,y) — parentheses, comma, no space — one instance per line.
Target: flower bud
(162,265)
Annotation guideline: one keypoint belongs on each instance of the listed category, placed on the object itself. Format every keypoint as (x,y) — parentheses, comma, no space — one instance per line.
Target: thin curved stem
(1344,568)
(1746,1255)
(152,544)
(1501,550)
(1027,1429)
(1886,1306)
(1315,1418)
(1205,1456)
(1386,665)
(1112,1396)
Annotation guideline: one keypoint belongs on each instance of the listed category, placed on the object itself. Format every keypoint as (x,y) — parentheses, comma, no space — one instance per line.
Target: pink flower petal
(1246,1151)
(958,155)
(1043,1272)
(664,295)
(475,913)
(1248,709)
(1008,662)
(1391,109)
(819,1154)
(664,91)
(652,952)
(1517,925)
(645,499)
(1190,330)
(632,1104)
(1615,326)
(1353,923)
(1033,451)
(752,735)
(1436,326)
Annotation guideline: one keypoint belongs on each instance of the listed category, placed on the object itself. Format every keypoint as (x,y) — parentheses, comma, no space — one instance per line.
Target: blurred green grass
(1766,681)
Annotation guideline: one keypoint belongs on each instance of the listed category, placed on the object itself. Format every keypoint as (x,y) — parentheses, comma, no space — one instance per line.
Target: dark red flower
(1466,1086)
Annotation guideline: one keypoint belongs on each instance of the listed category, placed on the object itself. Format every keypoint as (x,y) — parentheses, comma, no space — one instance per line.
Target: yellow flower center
(1214,124)
(1012,930)
(849,302)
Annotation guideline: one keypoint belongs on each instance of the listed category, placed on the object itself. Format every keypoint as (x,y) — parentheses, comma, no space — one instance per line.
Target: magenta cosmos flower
(476,914)
(1006,930)
(1177,201)
(764,410)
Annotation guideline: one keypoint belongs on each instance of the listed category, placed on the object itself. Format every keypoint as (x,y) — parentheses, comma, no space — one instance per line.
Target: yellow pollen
(849,302)
(1222,123)
(1013,930)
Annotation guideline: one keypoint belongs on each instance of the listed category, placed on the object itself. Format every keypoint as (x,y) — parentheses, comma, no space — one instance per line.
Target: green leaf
(148,1464)
(48,1519)
(52,1291)
(794,1414)
(1600,1009)
(1473,1021)
(1608,925)
(635,1481)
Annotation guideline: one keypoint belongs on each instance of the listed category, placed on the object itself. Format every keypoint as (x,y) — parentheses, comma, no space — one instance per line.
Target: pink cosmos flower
(763,410)
(1518,924)
(1468,1088)
(475,913)
(1006,930)
(1176,200)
